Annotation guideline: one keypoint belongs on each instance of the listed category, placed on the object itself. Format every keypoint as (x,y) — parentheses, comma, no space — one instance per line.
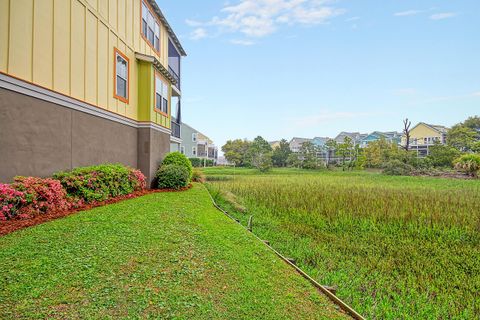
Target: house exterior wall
(39,138)
(68,46)
(57,67)
(420,132)
(187,141)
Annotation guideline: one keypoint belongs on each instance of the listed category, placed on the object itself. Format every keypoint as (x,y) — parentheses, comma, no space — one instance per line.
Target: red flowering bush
(29,196)
(10,201)
(41,195)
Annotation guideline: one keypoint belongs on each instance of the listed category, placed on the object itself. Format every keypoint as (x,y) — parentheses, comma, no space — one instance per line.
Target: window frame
(162,98)
(194,137)
(117,52)
(157,21)
(194,151)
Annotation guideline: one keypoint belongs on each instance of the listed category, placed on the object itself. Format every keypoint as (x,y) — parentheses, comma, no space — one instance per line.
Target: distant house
(195,144)
(391,136)
(274,144)
(356,137)
(296,143)
(423,136)
(320,141)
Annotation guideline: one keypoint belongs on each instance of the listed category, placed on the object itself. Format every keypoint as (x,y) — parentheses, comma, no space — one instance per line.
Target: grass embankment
(397,247)
(161,256)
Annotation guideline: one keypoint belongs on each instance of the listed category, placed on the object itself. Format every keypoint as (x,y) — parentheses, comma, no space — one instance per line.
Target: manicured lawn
(397,247)
(161,256)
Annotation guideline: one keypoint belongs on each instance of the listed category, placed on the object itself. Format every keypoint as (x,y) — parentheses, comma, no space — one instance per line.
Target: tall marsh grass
(397,247)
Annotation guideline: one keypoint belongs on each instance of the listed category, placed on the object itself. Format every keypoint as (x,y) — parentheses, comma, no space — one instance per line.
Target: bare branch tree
(406,132)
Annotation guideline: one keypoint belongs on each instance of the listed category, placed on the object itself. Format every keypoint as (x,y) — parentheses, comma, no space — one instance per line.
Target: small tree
(442,155)
(345,150)
(260,154)
(406,132)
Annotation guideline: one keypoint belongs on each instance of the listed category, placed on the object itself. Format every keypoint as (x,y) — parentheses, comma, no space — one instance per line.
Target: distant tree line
(461,151)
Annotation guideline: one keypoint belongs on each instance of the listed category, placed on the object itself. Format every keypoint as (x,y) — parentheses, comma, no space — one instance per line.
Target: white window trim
(152,24)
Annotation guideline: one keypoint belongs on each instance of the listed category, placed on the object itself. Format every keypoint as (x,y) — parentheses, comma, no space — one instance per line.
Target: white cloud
(198,33)
(242,42)
(259,18)
(443,15)
(476,94)
(407,13)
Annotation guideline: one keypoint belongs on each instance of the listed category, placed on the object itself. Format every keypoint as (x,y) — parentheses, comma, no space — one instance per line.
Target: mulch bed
(15,224)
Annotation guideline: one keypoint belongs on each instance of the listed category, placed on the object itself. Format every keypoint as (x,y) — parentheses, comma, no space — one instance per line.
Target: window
(161,95)
(182,149)
(150,27)
(122,74)
(194,137)
(194,151)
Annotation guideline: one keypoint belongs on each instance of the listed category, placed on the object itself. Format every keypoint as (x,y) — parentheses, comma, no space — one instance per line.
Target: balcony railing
(175,129)
(175,76)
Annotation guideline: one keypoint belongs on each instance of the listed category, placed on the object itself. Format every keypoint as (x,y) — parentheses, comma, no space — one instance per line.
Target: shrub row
(28,196)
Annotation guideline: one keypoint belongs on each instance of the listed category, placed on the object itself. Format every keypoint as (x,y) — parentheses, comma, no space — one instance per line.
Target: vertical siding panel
(112,13)
(103,60)
(91,59)
(4,26)
(136,24)
(129,23)
(20,48)
(61,47)
(94,4)
(103,8)
(132,107)
(43,43)
(121,19)
(78,50)
(112,102)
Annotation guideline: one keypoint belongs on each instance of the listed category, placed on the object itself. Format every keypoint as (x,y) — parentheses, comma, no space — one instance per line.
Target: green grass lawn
(397,247)
(161,256)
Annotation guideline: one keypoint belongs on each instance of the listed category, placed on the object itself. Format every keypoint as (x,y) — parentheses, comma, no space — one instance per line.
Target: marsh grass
(397,247)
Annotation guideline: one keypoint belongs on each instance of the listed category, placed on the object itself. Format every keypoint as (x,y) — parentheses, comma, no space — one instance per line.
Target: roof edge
(172,34)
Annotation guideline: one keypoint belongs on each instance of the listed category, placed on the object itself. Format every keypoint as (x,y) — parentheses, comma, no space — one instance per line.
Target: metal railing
(175,129)
(175,76)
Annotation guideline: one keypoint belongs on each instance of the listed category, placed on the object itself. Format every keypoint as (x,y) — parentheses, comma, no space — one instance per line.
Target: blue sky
(284,68)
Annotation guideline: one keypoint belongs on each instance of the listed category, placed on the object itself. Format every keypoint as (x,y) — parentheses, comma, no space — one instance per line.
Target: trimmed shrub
(179,159)
(397,168)
(198,176)
(99,183)
(468,163)
(10,201)
(41,195)
(173,176)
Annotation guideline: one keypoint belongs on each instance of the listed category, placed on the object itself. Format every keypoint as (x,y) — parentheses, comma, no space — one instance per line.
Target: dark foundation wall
(38,138)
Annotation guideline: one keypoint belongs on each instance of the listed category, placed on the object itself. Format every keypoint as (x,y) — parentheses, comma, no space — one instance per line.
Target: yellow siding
(20,46)
(121,18)
(77,79)
(103,62)
(4,26)
(61,47)
(68,46)
(103,8)
(112,13)
(91,59)
(112,102)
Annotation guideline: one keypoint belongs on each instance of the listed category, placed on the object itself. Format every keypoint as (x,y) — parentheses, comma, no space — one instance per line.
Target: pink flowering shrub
(99,183)
(10,201)
(137,179)
(41,195)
